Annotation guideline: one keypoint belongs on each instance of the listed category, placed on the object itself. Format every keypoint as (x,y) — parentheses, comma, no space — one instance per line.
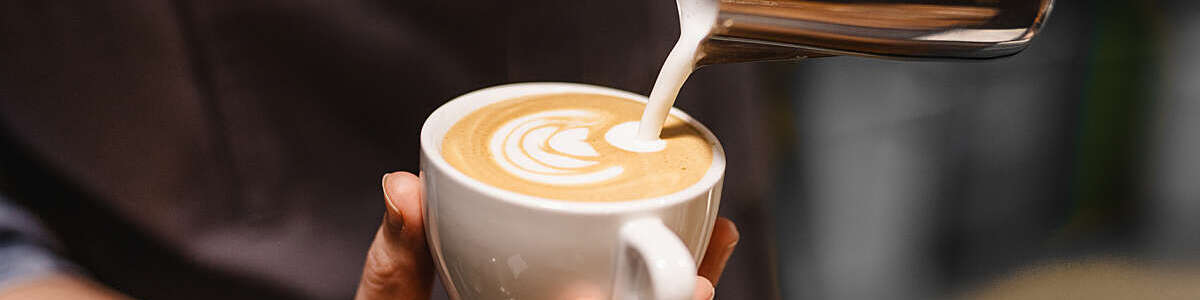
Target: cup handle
(653,264)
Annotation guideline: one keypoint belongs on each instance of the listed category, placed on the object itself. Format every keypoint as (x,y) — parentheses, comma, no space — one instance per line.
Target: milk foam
(520,148)
(624,136)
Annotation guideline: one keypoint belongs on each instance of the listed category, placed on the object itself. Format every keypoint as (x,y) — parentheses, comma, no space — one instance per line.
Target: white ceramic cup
(490,243)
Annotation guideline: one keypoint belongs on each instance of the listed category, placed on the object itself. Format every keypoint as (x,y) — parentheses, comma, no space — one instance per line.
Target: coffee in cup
(575,147)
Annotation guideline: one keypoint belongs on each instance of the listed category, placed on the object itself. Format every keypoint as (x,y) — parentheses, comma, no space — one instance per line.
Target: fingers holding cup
(398,264)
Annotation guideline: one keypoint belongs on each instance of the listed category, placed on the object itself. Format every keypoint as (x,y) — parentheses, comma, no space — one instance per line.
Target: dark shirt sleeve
(26,248)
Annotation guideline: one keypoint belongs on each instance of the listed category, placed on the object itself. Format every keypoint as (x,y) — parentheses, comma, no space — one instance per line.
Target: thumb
(398,264)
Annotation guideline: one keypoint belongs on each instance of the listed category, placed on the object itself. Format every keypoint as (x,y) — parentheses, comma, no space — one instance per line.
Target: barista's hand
(724,237)
(399,265)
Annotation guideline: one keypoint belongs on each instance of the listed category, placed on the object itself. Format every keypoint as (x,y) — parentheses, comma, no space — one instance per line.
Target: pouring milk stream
(727,31)
(695,20)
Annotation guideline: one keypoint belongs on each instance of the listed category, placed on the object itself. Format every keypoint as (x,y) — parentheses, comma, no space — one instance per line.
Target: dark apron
(233,149)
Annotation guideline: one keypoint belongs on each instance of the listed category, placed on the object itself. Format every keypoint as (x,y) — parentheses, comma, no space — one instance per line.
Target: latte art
(550,147)
(579,147)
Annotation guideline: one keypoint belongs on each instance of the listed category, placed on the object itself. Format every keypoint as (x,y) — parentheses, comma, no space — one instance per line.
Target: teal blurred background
(917,180)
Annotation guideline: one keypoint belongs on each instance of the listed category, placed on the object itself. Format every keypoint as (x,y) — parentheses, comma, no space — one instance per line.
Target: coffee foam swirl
(549,147)
(577,147)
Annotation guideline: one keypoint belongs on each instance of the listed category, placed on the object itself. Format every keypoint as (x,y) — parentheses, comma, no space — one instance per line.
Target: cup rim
(479,98)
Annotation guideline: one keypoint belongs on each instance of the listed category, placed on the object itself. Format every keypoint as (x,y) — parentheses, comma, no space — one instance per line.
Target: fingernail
(383,186)
(393,220)
(712,293)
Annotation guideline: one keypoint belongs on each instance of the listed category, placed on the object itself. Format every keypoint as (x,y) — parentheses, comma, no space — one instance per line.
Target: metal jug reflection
(758,30)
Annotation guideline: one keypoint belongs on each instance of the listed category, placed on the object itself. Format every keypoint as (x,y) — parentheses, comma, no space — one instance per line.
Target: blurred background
(1066,171)
(1071,167)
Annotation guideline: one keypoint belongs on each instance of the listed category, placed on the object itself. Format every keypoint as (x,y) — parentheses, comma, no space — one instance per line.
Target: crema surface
(565,147)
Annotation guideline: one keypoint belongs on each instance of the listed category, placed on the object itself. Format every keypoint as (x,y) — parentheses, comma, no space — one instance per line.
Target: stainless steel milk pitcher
(756,30)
